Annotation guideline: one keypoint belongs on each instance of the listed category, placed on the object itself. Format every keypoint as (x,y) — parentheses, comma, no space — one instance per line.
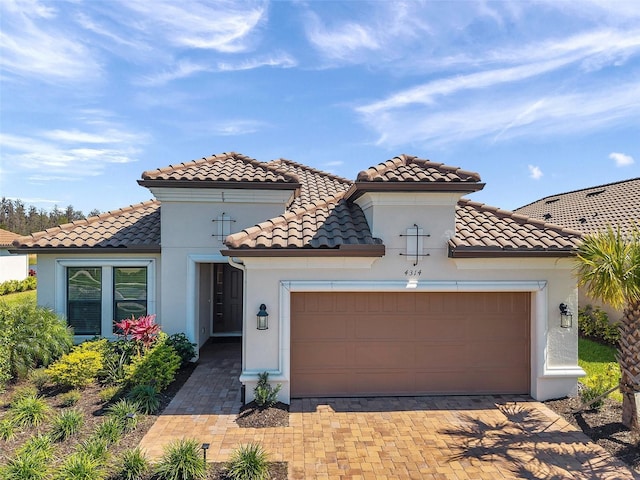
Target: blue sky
(538,97)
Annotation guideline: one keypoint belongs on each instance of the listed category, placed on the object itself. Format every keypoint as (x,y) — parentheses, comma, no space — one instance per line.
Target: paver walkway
(457,438)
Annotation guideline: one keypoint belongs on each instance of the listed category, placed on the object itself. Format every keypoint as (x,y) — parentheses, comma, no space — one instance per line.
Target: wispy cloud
(34,46)
(236,127)
(223,26)
(280,59)
(535,172)
(621,159)
(182,69)
(70,154)
(341,42)
(509,116)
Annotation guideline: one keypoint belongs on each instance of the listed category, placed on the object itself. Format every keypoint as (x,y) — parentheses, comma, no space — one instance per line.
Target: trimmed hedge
(14,286)
(594,323)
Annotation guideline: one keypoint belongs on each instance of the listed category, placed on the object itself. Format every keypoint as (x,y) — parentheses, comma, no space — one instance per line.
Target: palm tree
(609,268)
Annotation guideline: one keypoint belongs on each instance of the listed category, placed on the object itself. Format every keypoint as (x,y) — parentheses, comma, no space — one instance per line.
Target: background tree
(609,268)
(16,217)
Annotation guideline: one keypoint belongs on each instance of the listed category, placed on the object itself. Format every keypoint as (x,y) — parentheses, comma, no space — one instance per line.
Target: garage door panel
(383,326)
(371,343)
(383,354)
(439,327)
(320,355)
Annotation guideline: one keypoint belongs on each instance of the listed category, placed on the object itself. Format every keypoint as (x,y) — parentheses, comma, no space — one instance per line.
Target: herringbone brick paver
(449,438)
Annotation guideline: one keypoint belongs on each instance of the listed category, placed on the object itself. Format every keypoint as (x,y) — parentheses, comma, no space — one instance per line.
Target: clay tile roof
(132,229)
(7,237)
(314,184)
(333,226)
(408,173)
(482,230)
(221,171)
(407,168)
(591,209)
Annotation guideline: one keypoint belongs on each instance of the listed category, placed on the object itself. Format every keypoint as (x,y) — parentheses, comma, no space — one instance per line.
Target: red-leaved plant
(143,329)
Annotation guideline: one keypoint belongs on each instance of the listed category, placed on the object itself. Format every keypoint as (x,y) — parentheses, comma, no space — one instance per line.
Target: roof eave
(359,188)
(494,252)
(220,184)
(79,250)
(342,251)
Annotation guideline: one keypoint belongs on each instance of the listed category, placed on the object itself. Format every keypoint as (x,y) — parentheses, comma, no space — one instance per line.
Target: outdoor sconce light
(263,318)
(566,317)
(205,447)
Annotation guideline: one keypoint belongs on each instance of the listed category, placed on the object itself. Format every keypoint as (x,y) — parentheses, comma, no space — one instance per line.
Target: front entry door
(220,301)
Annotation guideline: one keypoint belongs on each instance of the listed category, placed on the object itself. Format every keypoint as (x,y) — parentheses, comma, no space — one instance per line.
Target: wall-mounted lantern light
(566,317)
(263,318)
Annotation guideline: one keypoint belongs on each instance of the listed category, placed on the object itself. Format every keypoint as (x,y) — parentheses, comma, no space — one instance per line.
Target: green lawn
(15,298)
(595,359)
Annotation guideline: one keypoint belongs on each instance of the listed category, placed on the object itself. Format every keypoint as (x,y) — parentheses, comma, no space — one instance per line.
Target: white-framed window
(98,293)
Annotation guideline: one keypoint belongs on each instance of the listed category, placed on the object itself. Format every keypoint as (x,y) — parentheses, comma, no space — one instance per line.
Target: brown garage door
(385,343)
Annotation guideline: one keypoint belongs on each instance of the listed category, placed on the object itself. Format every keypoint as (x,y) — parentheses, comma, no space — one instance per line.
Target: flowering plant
(143,329)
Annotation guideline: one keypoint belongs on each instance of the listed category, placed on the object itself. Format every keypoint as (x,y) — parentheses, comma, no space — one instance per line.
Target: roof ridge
(311,169)
(578,190)
(191,163)
(91,219)
(520,218)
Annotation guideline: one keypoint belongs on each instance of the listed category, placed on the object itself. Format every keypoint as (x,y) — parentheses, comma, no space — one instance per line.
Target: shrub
(126,412)
(248,462)
(134,465)
(265,395)
(23,391)
(596,385)
(110,430)
(116,356)
(157,367)
(40,445)
(29,411)
(76,369)
(70,398)
(25,467)
(39,378)
(182,346)
(181,460)
(96,448)
(594,323)
(13,286)
(146,397)
(109,393)
(30,336)
(81,466)
(7,429)
(65,424)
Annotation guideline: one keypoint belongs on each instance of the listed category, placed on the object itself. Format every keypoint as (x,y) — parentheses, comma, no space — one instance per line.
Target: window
(129,292)
(84,300)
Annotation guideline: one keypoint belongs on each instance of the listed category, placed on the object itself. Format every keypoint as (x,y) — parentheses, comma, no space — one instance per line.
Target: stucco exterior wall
(13,267)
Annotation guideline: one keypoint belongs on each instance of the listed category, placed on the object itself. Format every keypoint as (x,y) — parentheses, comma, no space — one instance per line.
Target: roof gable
(226,170)
(591,209)
(408,173)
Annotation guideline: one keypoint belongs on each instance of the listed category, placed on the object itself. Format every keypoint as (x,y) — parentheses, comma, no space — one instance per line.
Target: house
(12,267)
(590,210)
(392,284)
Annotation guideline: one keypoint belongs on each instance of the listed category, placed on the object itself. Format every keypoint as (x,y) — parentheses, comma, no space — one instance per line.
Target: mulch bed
(603,427)
(277,471)
(253,416)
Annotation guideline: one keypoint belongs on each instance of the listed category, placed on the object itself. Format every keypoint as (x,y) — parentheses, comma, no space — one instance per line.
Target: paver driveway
(483,437)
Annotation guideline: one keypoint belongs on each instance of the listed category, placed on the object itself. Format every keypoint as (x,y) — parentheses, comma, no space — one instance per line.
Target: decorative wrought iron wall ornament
(410,238)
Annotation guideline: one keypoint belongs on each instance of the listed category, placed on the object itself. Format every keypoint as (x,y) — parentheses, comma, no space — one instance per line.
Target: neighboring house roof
(322,218)
(132,229)
(226,170)
(484,231)
(591,209)
(7,237)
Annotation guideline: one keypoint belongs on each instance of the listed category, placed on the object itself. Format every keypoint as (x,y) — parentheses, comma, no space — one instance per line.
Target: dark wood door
(227,294)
